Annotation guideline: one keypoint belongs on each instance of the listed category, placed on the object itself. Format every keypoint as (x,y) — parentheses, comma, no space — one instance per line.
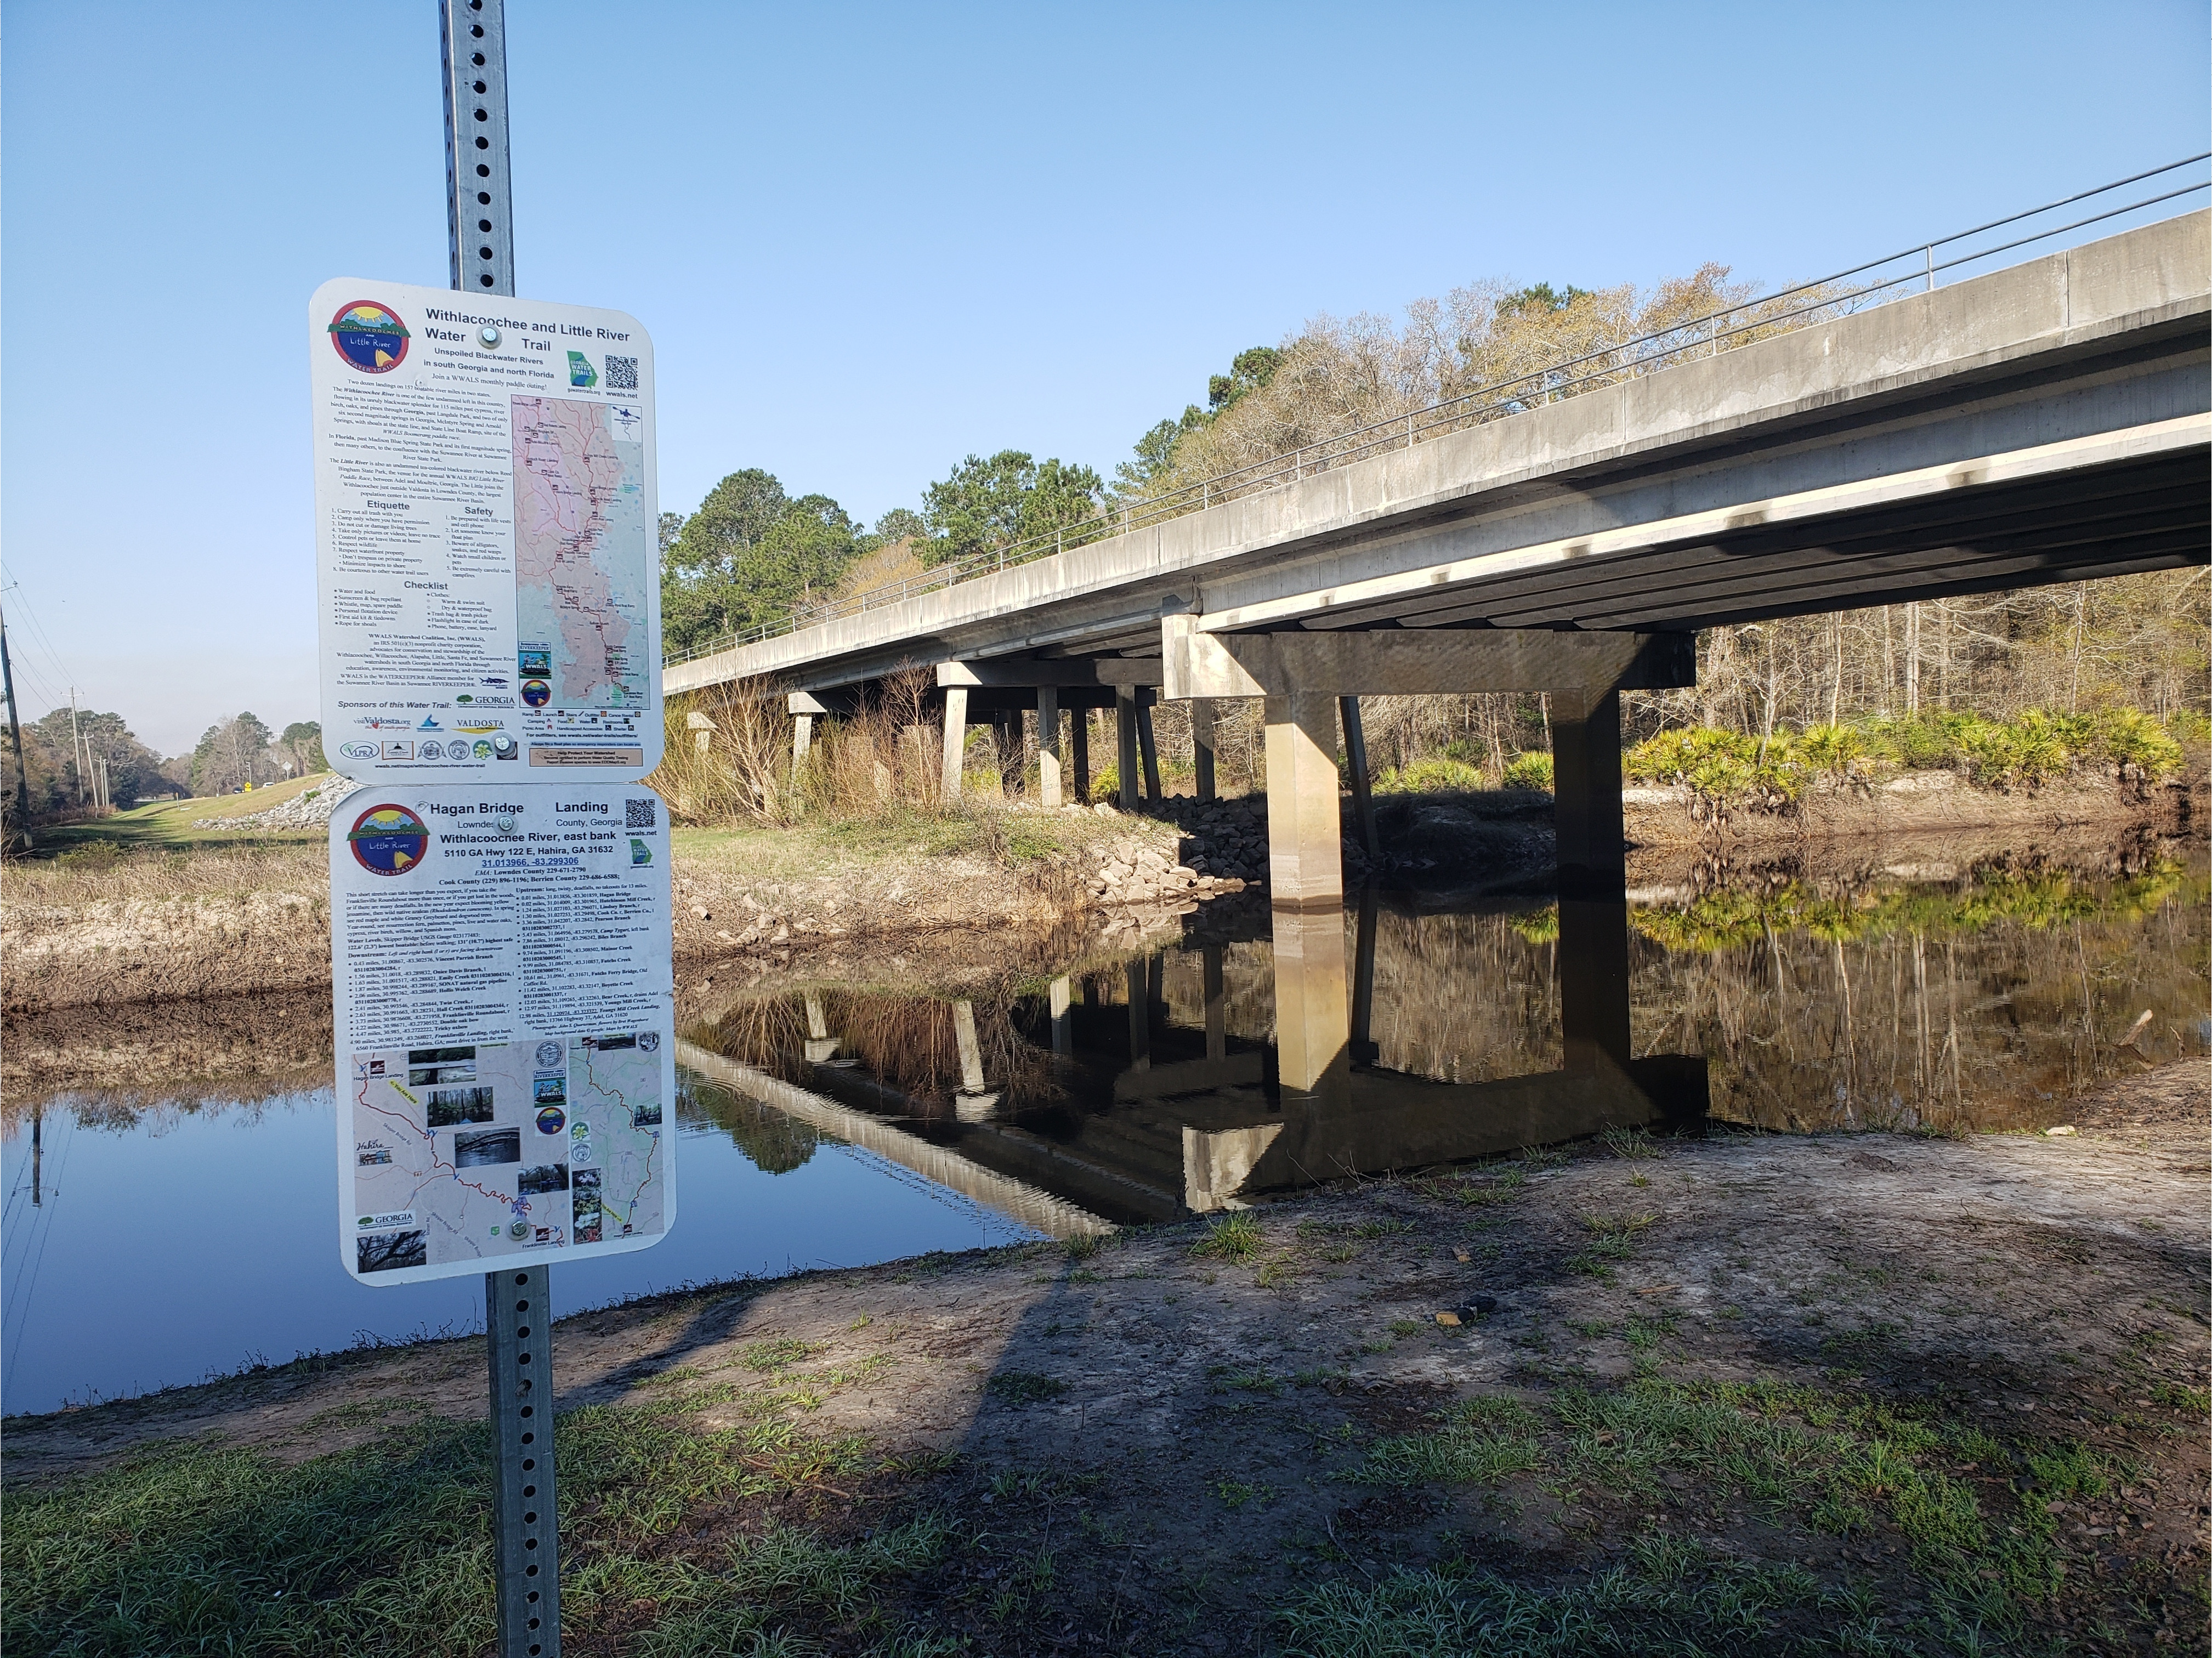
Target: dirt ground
(1952,1390)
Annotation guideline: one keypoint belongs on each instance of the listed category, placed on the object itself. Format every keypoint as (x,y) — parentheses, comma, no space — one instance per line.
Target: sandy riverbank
(1779,1388)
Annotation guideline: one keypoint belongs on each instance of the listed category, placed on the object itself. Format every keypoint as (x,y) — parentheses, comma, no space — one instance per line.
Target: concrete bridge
(2044,423)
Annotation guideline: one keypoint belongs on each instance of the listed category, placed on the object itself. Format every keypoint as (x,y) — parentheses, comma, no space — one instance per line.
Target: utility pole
(23,833)
(526,1541)
(76,748)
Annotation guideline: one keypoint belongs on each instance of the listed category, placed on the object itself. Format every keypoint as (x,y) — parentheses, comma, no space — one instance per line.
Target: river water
(156,1236)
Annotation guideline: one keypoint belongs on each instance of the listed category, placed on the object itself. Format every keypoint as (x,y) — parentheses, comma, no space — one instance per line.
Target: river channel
(157,1236)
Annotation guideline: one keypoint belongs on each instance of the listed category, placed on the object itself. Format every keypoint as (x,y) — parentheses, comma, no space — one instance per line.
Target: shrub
(1106,783)
(1435,775)
(2130,737)
(1918,742)
(1841,750)
(1528,771)
(1721,765)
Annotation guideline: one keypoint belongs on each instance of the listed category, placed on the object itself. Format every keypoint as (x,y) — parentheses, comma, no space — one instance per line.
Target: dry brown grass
(104,873)
(883,757)
(104,926)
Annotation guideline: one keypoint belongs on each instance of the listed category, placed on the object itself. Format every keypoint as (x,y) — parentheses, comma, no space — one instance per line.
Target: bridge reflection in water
(1106,1099)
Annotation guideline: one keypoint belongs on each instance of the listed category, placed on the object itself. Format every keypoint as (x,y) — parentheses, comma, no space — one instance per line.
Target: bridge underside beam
(1413,663)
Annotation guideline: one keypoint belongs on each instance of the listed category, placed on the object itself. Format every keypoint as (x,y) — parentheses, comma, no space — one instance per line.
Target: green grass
(1671,1596)
(197,1548)
(1234,1238)
(1970,1513)
(1481,1442)
(168,824)
(1025,1387)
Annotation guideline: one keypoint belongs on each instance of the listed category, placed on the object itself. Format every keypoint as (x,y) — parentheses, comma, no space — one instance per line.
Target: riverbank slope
(110,926)
(1752,1390)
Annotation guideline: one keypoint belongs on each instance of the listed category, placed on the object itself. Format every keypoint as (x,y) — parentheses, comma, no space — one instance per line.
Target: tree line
(751,555)
(72,758)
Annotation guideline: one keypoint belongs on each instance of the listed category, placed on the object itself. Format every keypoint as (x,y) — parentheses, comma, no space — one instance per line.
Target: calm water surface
(843,1124)
(193,1241)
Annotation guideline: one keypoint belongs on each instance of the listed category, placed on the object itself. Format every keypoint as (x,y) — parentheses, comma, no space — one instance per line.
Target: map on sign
(470,1152)
(583,567)
(487,538)
(505,1048)
(616,1128)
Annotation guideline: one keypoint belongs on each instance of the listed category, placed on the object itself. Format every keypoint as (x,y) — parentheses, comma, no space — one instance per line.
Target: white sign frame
(507,950)
(488,585)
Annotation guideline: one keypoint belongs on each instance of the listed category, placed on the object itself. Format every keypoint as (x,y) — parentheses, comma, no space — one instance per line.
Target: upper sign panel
(485,533)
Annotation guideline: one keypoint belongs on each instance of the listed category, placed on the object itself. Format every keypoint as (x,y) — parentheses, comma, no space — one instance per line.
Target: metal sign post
(526,1538)
(518,1305)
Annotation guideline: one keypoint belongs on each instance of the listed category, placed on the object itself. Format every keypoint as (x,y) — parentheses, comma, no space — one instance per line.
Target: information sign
(486,537)
(505,1018)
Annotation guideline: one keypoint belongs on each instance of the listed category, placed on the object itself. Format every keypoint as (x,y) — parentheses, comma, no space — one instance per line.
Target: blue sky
(868,240)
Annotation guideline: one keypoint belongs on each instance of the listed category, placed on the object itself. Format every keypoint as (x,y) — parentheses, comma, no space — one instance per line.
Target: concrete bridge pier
(1593,951)
(1141,1023)
(955,738)
(1125,753)
(1305,881)
(1202,744)
(1047,719)
(1216,1003)
(821,1046)
(1079,753)
(971,1103)
(1302,676)
(1063,1030)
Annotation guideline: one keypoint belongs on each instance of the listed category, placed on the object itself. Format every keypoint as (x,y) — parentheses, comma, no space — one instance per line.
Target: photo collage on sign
(464,1152)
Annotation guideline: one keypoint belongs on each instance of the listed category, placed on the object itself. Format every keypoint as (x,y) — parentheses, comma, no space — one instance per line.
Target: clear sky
(868,240)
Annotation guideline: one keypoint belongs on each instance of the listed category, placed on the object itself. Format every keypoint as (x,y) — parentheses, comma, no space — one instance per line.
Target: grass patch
(385,1548)
(1234,1238)
(1481,1442)
(1670,1597)
(1025,1387)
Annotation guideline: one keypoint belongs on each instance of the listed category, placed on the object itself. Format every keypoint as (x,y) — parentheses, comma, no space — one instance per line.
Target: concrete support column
(1125,729)
(955,738)
(1201,742)
(1593,881)
(1216,1004)
(971,1103)
(1305,875)
(1006,746)
(971,1051)
(702,733)
(1048,746)
(1149,751)
(821,1046)
(1364,1051)
(1363,795)
(1141,1023)
(802,738)
(1080,721)
(1063,1033)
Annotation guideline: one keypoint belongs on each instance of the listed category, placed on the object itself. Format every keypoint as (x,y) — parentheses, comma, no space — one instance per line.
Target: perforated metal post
(478,198)
(525,1542)
(518,1304)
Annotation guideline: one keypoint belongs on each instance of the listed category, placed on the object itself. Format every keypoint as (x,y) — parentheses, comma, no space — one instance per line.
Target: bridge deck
(2044,424)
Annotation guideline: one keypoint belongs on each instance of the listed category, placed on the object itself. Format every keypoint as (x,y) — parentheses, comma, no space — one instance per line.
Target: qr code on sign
(638,814)
(621,373)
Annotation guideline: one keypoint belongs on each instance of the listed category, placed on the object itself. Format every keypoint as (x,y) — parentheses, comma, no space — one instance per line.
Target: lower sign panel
(505,1053)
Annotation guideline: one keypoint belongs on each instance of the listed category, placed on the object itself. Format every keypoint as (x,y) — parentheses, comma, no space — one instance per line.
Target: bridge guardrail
(1800,305)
